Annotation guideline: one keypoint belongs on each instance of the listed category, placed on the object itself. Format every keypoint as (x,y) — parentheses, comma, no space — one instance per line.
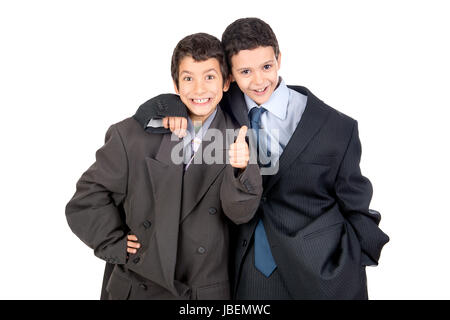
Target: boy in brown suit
(160,223)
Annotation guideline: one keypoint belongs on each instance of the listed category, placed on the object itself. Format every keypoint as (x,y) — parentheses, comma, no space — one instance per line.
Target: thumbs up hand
(239,154)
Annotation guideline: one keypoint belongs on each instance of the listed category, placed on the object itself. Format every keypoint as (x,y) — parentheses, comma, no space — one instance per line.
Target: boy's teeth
(200,100)
(261,90)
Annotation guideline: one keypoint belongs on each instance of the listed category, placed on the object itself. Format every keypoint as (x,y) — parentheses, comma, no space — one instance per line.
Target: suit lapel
(200,176)
(312,120)
(166,179)
(235,105)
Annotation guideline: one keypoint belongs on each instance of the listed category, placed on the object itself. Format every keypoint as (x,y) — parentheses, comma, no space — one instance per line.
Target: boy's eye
(245,72)
(267,66)
(187,78)
(210,77)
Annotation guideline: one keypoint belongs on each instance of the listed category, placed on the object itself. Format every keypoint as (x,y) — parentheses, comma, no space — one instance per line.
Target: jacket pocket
(118,286)
(322,160)
(323,231)
(217,291)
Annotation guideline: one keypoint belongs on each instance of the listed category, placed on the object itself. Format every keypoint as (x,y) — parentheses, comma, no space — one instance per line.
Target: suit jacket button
(201,250)
(147,224)
(244,243)
(136,260)
(264,199)
(248,185)
(212,210)
(143,286)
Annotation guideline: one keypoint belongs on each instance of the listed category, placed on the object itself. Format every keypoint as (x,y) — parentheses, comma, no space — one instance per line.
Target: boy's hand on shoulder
(177,125)
(239,154)
(132,244)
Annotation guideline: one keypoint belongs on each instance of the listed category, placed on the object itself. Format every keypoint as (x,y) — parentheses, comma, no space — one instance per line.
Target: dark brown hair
(201,47)
(247,34)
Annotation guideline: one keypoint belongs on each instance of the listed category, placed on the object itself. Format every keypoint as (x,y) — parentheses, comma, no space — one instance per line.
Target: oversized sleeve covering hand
(159,107)
(354,192)
(240,193)
(95,212)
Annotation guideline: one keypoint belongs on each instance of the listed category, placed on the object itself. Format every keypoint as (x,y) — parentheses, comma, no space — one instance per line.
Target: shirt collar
(204,128)
(277,103)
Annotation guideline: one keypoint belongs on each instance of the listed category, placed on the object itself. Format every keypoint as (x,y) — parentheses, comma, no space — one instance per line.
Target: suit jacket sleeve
(94,212)
(240,195)
(354,192)
(163,105)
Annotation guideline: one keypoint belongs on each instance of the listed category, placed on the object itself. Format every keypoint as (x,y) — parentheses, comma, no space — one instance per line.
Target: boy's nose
(258,78)
(199,88)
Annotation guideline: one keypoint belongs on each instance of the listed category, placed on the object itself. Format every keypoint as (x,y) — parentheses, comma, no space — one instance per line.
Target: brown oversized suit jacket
(181,219)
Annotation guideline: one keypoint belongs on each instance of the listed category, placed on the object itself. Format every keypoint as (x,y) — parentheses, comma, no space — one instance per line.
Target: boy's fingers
(241,135)
(239,160)
(132,237)
(172,124)
(166,122)
(129,250)
(234,152)
(236,149)
(184,124)
(239,147)
(240,165)
(131,244)
(177,132)
(179,127)
(240,157)
(178,123)
(183,127)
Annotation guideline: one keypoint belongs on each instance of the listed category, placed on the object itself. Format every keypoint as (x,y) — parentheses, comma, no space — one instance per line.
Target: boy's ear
(279,59)
(226,85)
(175,87)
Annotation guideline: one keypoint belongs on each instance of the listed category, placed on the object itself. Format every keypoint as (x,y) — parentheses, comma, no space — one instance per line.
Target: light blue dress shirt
(285,108)
(194,135)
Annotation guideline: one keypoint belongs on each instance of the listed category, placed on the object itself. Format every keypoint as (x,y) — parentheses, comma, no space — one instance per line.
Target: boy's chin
(203,115)
(260,100)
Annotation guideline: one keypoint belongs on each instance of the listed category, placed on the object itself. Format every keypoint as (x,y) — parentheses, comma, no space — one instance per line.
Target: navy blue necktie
(264,261)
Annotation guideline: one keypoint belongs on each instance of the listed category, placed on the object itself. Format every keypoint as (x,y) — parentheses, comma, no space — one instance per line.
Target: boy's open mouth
(201,101)
(261,92)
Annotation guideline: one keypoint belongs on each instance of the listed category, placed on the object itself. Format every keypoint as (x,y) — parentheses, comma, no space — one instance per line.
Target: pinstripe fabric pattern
(271,288)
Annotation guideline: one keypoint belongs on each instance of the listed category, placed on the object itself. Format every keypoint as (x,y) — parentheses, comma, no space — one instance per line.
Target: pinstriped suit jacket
(316,208)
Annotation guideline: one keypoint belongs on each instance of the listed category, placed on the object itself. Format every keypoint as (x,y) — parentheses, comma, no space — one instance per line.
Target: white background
(69,69)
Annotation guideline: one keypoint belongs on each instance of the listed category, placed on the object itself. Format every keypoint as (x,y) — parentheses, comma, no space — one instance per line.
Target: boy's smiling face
(256,72)
(200,86)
